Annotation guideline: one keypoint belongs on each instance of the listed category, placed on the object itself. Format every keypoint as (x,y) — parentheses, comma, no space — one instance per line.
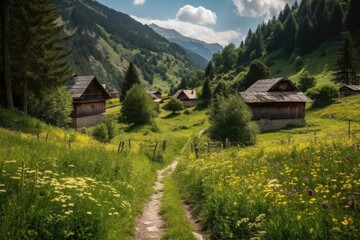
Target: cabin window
(92,106)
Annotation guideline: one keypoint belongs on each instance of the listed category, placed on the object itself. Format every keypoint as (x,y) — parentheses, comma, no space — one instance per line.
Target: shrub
(53,107)
(323,96)
(174,105)
(306,81)
(230,118)
(138,107)
(100,132)
(299,62)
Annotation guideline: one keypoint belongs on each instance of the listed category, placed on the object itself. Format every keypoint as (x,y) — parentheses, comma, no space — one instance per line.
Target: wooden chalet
(276,103)
(349,90)
(188,97)
(89,99)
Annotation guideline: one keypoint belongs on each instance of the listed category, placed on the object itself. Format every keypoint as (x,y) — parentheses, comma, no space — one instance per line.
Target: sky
(212,21)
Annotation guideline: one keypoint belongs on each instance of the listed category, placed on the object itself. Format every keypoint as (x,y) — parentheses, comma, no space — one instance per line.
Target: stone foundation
(275,124)
(87,121)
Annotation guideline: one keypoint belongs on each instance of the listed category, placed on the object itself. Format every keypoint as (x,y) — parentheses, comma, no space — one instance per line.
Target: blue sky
(221,21)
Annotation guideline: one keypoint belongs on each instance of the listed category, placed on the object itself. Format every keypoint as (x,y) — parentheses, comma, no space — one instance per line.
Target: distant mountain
(104,41)
(203,49)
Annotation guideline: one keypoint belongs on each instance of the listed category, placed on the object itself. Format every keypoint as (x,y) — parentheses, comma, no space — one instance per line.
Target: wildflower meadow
(302,191)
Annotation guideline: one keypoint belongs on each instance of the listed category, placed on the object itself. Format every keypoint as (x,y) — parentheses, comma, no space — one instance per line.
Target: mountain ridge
(202,48)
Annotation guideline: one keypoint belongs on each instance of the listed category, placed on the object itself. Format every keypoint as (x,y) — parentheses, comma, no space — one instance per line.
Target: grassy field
(296,183)
(63,184)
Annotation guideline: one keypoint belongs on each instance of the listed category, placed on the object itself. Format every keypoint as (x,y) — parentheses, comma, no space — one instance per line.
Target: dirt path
(149,224)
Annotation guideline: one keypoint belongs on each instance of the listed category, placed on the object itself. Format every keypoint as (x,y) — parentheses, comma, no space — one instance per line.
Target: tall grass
(301,191)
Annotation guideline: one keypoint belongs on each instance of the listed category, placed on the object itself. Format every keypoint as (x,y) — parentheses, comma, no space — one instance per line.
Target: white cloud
(139,2)
(196,15)
(195,31)
(260,8)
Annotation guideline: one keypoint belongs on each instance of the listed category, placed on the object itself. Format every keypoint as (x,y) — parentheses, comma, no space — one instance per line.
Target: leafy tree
(230,119)
(229,57)
(174,105)
(306,81)
(346,68)
(258,70)
(352,17)
(138,107)
(131,78)
(206,90)
(39,53)
(209,71)
(323,96)
(52,106)
(289,35)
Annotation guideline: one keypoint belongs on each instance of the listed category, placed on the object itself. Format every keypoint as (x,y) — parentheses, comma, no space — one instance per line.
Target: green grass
(177,226)
(347,108)
(86,191)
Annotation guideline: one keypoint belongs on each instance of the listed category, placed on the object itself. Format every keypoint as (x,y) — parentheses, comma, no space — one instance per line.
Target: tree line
(298,29)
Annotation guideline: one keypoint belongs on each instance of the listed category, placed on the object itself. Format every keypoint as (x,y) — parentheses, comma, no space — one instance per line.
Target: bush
(174,105)
(138,107)
(323,96)
(101,133)
(306,81)
(230,119)
(299,62)
(53,107)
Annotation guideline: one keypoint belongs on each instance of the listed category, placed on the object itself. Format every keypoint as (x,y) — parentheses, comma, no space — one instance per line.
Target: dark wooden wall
(277,110)
(348,92)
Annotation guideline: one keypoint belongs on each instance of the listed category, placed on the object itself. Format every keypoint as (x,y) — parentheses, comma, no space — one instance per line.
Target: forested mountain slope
(206,50)
(104,41)
(303,37)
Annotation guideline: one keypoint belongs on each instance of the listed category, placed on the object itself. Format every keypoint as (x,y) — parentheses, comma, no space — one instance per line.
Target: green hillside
(104,41)
(303,37)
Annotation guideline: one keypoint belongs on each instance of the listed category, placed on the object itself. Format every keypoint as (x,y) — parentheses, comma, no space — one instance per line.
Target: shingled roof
(355,88)
(268,90)
(267,85)
(78,84)
(190,94)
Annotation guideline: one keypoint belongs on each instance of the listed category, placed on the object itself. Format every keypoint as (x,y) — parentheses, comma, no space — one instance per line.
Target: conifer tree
(220,90)
(289,35)
(335,21)
(39,55)
(206,90)
(304,39)
(352,17)
(346,68)
(284,13)
(131,78)
(275,40)
(5,29)
(209,71)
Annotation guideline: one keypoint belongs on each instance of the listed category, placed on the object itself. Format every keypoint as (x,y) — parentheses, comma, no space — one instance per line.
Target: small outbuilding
(89,100)
(188,97)
(349,90)
(156,96)
(276,103)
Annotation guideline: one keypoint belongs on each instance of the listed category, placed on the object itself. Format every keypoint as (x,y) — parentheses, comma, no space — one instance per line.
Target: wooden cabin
(349,90)
(89,99)
(188,97)
(156,96)
(276,103)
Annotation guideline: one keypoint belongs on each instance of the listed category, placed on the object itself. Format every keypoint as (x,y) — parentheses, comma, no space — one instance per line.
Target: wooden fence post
(155,148)
(349,128)
(129,144)
(208,146)
(196,149)
(47,136)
